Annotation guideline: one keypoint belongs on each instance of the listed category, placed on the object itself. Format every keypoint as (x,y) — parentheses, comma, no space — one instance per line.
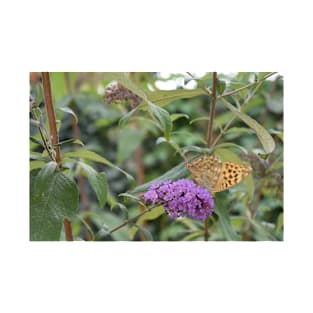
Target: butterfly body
(210,172)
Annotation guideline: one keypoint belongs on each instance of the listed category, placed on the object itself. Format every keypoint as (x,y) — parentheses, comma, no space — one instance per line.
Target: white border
(163,36)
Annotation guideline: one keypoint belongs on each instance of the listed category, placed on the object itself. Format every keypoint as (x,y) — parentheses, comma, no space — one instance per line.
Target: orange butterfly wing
(215,175)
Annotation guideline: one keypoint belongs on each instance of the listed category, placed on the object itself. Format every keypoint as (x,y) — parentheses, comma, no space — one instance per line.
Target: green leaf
(173,144)
(34,122)
(124,78)
(102,188)
(275,103)
(193,235)
(265,138)
(148,124)
(47,172)
(189,138)
(222,119)
(36,164)
(98,183)
(163,117)
(188,223)
(58,85)
(241,130)
(69,111)
(35,140)
(92,156)
(261,232)
(262,75)
(151,215)
(129,138)
(53,197)
(86,225)
(111,221)
(197,149)
(175,117)
(111,200)
(231,144)
(202,118)
(132,232)
(38,156)
(279,133)
(125,119)
(227,155)
(128,195)
(280,223)
(220,86)
(175,173)
(106,116)
(121,207)
(145,232)
(160,140)
(65,101)
(207,76)
(277,164)
(164,97)
(224,221)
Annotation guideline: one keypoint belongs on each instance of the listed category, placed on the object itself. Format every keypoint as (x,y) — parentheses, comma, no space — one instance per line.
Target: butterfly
(210,172)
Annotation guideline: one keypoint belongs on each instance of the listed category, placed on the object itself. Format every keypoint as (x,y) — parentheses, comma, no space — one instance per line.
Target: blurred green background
(87,110)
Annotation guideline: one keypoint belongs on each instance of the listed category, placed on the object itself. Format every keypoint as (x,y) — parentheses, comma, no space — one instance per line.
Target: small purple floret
(180,198)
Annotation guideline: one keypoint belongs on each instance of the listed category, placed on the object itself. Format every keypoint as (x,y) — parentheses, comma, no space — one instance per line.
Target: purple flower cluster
(180,198)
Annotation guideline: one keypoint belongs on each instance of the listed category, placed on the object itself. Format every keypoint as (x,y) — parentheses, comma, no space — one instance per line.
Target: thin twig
(128,221)
(208,91)
(247,86)
(54,138)
(223,131)
(43,138)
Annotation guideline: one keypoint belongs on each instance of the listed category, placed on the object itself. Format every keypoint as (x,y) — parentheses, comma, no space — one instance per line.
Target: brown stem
(68,230)
(51,115)
(54,137)
(206,229)
(209,140)
(139,163)
(212,112)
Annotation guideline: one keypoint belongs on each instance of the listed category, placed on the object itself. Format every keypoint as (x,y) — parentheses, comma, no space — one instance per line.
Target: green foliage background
(115,141)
